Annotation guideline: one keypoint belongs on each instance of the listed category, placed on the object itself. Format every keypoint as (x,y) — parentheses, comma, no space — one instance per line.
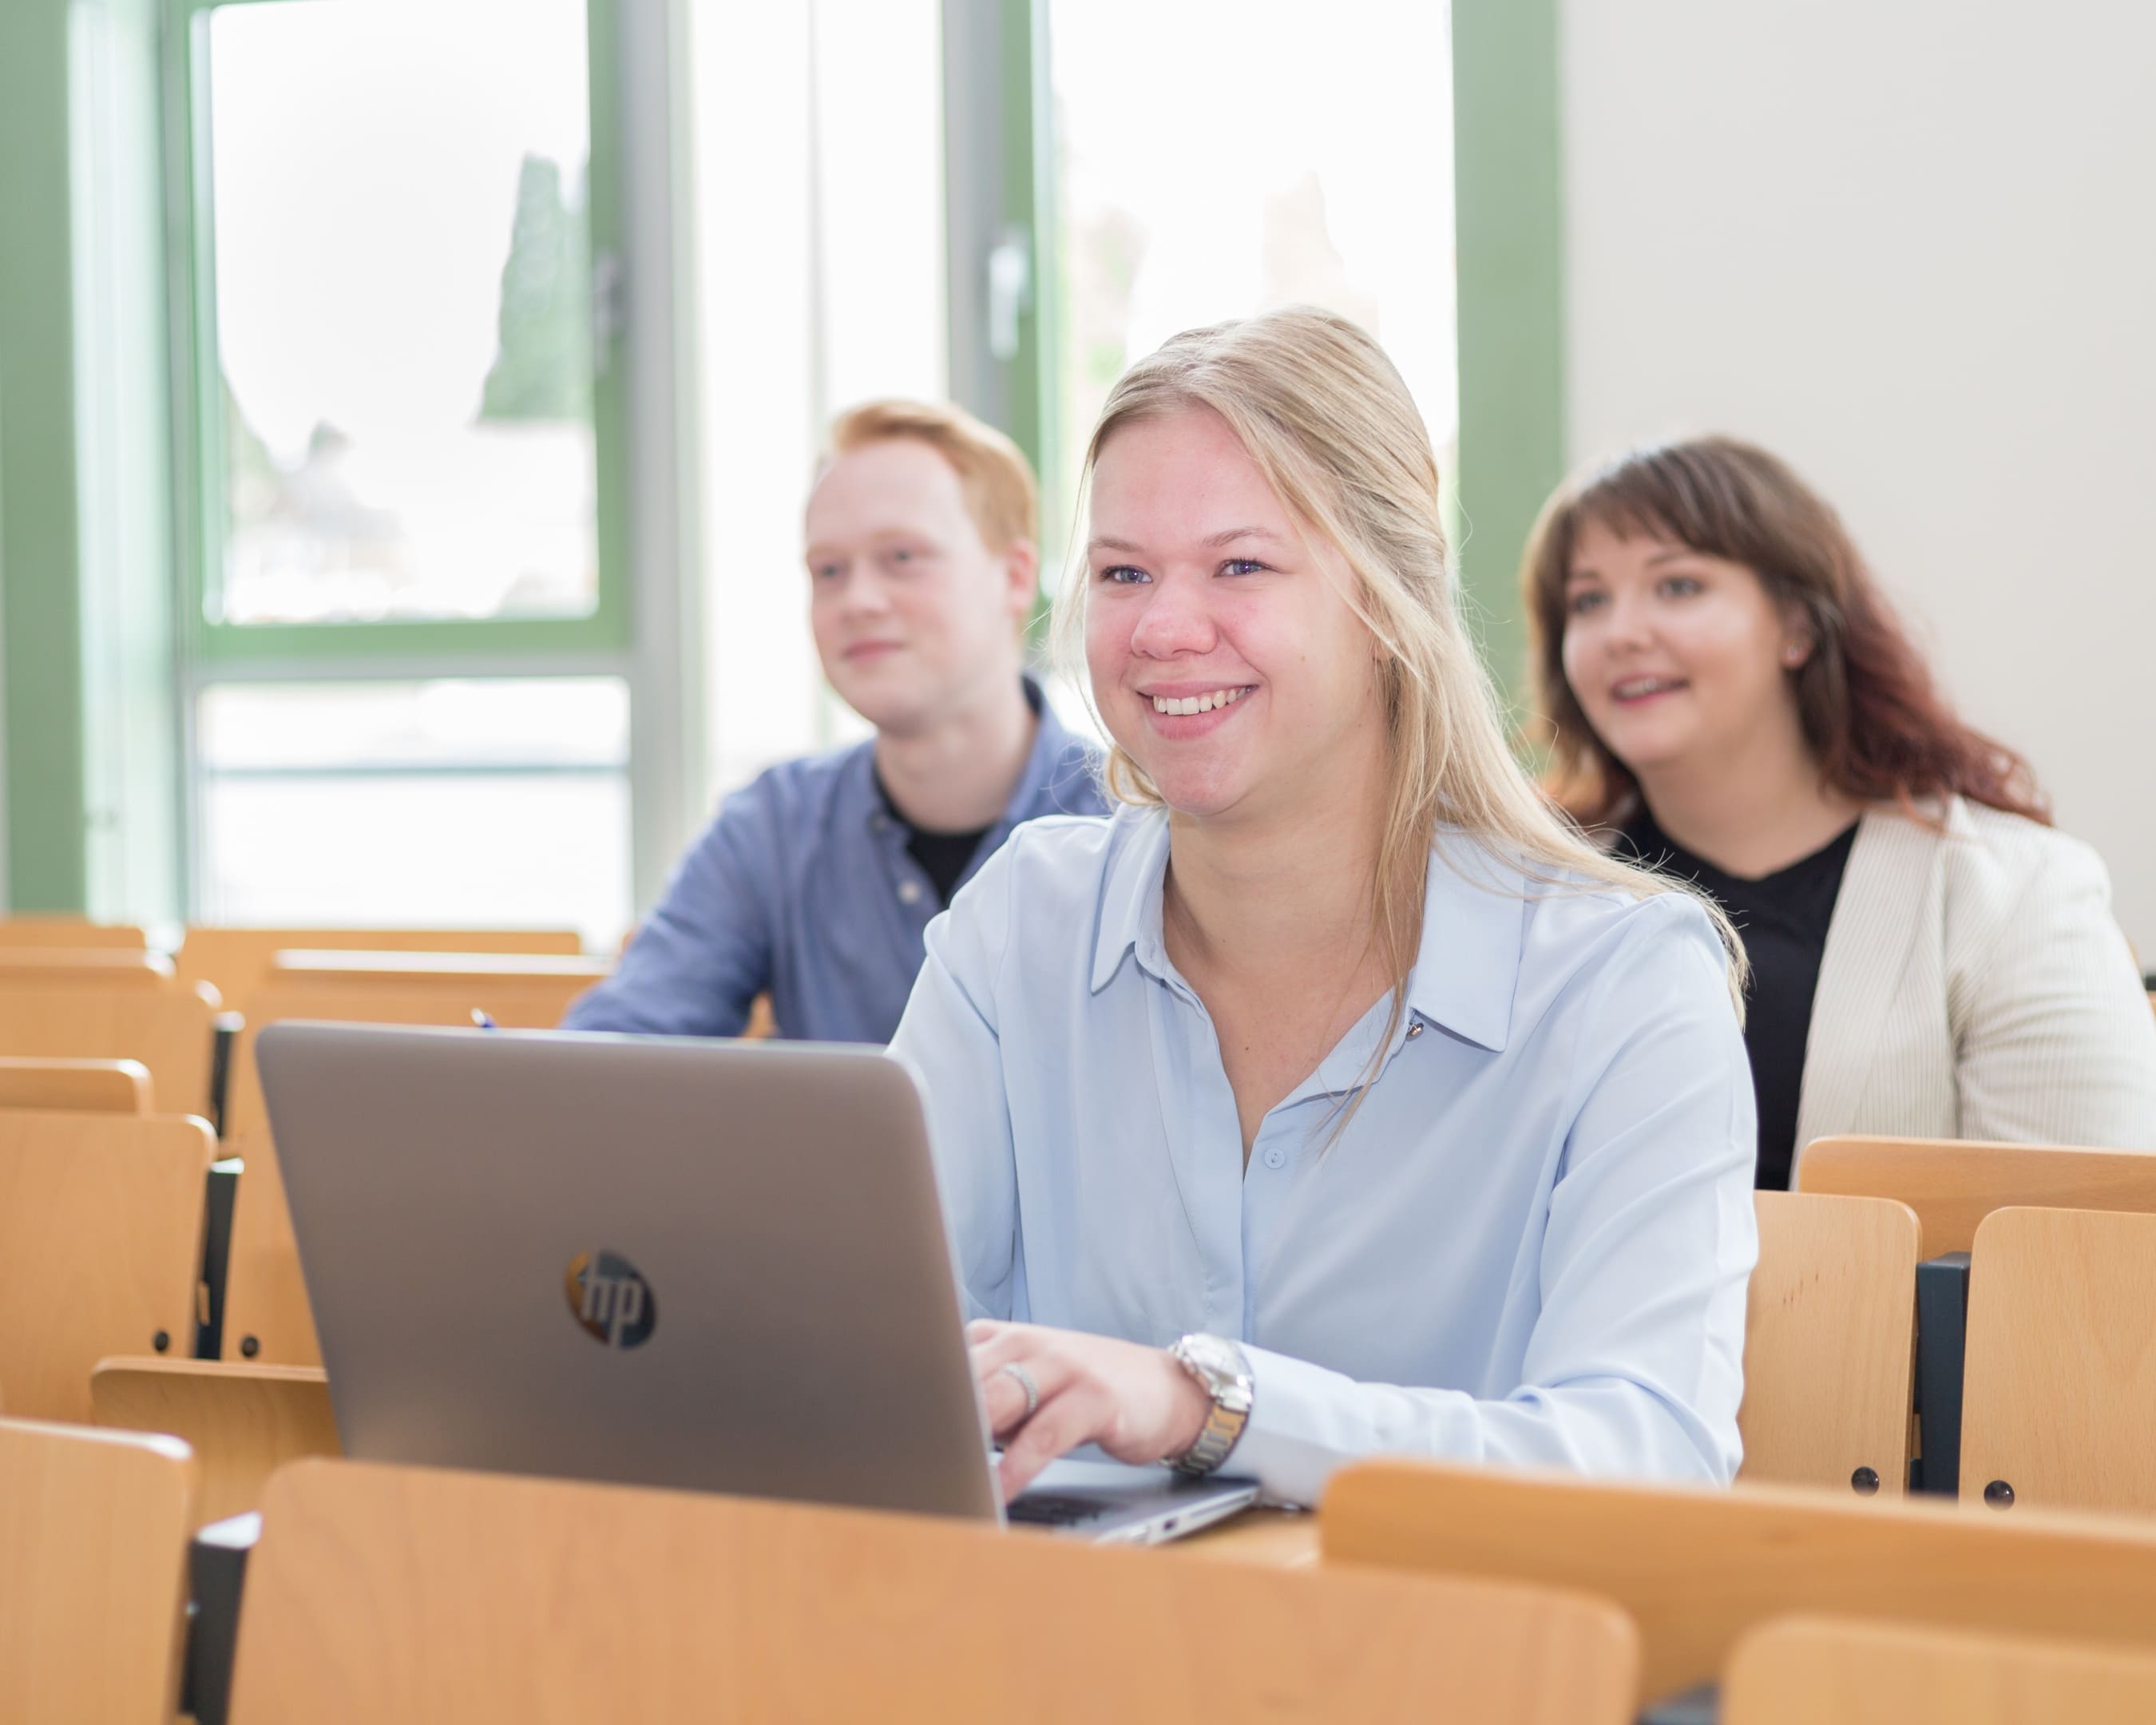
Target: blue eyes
(1124,575)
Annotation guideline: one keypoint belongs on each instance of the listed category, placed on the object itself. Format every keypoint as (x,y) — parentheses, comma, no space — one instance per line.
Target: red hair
(1873,718)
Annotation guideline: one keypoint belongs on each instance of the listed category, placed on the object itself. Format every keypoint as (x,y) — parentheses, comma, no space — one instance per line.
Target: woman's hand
(1136,1402)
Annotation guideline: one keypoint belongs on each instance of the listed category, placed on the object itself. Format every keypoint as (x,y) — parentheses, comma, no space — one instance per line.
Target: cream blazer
(1975,985)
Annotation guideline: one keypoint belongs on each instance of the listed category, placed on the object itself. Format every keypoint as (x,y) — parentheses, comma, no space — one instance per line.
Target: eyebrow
(1212,541)
(1675,553)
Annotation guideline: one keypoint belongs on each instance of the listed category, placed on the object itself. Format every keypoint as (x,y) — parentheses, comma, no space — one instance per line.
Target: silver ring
(1025,1383)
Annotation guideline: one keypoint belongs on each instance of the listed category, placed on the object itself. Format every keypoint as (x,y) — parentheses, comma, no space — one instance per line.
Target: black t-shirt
(1784,918)
(942,856)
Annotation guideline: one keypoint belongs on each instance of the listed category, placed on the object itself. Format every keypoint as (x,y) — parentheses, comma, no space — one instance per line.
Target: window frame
(399,648)
(1509,260)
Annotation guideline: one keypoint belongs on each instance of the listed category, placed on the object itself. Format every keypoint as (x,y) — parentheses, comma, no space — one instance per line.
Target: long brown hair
(1876,723)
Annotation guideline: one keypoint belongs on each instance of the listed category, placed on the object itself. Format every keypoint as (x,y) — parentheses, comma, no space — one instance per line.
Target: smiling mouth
(1187,705)
(1633,689)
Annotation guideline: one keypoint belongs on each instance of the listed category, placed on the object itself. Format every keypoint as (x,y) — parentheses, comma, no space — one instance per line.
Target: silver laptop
(659,1260)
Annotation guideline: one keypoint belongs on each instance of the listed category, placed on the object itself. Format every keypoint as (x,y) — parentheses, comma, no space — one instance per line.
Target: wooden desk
(1277,1539)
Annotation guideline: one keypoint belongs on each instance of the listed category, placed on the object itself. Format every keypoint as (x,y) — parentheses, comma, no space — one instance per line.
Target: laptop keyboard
(1049,1509)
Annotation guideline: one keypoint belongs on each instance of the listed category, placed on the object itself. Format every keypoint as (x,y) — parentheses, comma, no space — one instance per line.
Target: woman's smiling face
(1676,657)
(1225,659)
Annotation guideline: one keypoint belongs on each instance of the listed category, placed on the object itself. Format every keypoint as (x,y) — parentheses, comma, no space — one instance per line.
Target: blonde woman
(1332,1096)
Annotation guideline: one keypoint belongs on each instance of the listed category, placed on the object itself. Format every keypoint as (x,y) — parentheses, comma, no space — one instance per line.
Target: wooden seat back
(1954,1183)
(2059,1398)
(170,1031)
(67,966)
(1826,1670)
(1695,1568)
(238,961)
(87,1087)
(100,1249)
(518,992)
(1830,1343)
(431,1597)
(94,1527)
(243,1421)
(18,933)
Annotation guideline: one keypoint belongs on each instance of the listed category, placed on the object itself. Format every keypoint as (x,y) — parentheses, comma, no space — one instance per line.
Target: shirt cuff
(1306,1423)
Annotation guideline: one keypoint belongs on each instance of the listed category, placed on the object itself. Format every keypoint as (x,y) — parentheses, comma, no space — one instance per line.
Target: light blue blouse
(1530,1244)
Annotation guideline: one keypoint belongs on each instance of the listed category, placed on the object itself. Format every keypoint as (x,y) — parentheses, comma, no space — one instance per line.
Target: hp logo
(610,1300)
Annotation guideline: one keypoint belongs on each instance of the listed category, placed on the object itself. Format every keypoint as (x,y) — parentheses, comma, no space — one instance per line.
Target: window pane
(1204,173)
(399,199)
(481,803)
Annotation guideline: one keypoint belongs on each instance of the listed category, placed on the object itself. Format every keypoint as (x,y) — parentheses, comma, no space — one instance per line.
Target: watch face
(1222,1363)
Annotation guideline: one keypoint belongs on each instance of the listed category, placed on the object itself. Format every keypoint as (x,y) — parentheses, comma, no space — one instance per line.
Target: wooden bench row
(428,1597)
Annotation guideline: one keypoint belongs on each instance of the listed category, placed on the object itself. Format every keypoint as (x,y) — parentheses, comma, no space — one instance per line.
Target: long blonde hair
(1331,425)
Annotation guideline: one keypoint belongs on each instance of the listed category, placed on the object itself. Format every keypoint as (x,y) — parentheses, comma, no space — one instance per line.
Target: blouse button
(909,892)
(1275,1158)
(1414,1030)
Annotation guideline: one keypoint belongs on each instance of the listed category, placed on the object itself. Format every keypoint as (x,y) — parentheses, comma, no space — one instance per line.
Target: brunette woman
(1733,700)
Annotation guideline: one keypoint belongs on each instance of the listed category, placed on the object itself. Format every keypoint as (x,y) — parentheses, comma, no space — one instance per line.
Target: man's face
(914,616)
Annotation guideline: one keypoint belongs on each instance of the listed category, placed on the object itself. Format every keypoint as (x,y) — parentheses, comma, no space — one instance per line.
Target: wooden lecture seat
(1697,1567)
(242,1422)
(94,1530)
(2058,1402)
(101,967)
(1828,1670)
(431,1597)
(1954,1183)
(518,992)
(20,932)
(170,1031)
(238,961)
(1830,1343)
(90,1086)
(100,1249)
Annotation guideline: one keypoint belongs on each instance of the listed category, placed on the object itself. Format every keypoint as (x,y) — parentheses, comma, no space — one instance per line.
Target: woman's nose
(1624,623)
(1174,620)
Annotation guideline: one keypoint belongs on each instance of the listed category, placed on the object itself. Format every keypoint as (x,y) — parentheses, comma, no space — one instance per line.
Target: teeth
(1644,685)
(1190,704)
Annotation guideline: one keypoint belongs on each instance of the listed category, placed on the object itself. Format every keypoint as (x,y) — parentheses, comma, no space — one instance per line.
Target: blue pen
(481,1019)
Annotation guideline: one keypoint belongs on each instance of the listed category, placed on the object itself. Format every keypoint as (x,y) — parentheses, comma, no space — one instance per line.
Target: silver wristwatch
(1224,1372)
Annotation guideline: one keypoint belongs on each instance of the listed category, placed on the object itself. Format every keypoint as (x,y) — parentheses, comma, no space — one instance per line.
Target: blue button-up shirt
(1529,1244)
(802,888)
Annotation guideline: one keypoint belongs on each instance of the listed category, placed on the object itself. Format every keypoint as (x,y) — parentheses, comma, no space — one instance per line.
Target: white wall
(1910,245)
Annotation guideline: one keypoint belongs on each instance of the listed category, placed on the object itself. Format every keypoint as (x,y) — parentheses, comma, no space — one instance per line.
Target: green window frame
(199,441)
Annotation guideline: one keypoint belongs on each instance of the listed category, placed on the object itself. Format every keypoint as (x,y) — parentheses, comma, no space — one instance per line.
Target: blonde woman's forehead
(1181,478)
